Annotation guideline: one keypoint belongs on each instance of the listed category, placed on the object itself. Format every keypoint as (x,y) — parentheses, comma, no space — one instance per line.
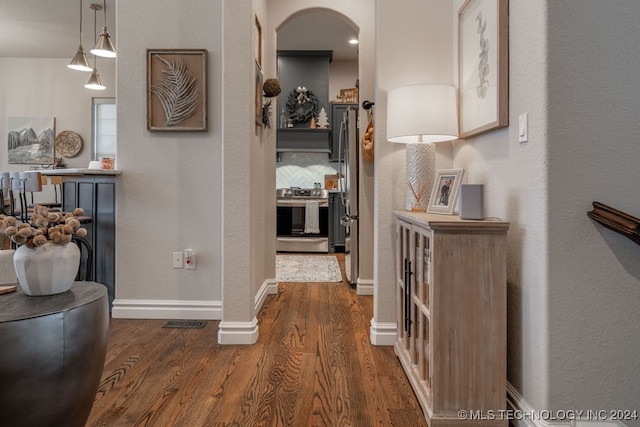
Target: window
(104,128)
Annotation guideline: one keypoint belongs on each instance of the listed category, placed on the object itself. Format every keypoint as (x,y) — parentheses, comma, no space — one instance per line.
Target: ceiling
(319,31)
(50,29)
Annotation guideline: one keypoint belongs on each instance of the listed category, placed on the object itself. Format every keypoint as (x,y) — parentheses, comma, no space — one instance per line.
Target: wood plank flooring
(313,365)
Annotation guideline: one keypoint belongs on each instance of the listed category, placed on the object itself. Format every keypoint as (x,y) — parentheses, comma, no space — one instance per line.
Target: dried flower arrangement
(44,226)
(418,194)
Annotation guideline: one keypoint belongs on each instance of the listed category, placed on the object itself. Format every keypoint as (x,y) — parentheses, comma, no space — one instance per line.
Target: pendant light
(79,61)
(94,82)
(104,47)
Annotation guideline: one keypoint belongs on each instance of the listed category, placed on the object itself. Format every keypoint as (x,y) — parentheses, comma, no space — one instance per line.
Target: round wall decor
(68,143)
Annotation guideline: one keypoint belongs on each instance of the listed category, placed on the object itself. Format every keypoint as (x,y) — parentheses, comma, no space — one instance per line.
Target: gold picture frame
(177,90)
(483,66)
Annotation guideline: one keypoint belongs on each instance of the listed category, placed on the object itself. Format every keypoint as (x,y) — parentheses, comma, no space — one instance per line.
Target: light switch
(523,127)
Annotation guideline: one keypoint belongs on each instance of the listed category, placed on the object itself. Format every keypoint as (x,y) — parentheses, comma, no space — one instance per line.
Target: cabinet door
(422,248)
(403,268)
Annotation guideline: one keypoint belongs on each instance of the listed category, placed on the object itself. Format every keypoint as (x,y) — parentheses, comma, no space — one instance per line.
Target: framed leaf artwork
(177,90)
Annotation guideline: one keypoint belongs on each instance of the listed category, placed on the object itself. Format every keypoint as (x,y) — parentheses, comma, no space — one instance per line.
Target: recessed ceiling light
(353,41)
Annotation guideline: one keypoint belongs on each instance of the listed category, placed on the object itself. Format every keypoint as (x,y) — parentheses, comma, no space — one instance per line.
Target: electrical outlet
(190,259)
(177,260)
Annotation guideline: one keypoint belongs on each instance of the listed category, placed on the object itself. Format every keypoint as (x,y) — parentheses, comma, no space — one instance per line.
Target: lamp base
(420,171)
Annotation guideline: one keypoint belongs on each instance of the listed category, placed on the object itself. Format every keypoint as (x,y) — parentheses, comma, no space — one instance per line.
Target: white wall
(515,179)
(594,273)
(420,53)
(170,193)
(573,286)
(342,75)
(47,88)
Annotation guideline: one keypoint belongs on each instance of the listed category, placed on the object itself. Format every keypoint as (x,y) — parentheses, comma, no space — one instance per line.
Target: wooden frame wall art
(31,140)
(257,42)
(483,66)
(445,191)
(177,90)
(258,97)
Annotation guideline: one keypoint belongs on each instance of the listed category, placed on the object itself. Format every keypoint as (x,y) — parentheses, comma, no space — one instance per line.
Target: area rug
(307,268)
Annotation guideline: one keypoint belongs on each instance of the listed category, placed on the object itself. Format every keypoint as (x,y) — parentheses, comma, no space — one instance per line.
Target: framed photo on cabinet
(177,90)
(483,66)
(445,191)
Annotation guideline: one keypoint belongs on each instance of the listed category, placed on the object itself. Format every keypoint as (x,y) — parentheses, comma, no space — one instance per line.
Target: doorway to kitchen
(318,69)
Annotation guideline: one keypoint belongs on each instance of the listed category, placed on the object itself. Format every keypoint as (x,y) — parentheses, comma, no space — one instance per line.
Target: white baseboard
(269,287)
(364,287)
(383,333)
(166,309)
(524,415)
(235,333)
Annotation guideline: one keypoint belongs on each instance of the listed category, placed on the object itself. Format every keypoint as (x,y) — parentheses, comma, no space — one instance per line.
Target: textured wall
(170,193)
(421,53)
(47,88)
(594,274)
(515,180)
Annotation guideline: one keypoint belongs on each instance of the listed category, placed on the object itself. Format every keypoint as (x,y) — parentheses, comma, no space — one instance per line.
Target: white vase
(48,269)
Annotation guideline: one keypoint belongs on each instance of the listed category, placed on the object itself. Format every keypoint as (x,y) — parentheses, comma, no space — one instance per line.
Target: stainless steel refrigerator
(348,186)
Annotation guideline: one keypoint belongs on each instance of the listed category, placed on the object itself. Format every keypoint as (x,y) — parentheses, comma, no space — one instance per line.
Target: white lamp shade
(422,113)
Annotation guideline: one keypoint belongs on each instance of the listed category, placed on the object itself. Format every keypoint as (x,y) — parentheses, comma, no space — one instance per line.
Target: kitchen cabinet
(337,115)
(95,192)
(303,140)
(451,314)
(336,230)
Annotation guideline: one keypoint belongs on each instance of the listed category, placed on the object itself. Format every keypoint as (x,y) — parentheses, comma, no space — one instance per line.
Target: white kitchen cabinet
(451,313)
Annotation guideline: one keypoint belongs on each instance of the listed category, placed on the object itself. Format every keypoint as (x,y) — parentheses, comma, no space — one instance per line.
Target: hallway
(313,365)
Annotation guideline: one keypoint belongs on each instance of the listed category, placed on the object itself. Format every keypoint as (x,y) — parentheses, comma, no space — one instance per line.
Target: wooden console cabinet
(451,312)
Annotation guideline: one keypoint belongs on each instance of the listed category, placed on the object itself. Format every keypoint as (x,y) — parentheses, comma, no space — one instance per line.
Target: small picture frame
(445,191)
(177,90)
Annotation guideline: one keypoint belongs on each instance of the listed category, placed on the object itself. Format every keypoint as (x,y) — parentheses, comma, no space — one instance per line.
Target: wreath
(302,105)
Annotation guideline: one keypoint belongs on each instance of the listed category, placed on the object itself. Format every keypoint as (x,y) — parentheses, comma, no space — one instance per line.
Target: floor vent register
(186,324)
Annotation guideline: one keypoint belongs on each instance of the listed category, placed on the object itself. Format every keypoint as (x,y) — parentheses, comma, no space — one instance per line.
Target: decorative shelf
(618,221)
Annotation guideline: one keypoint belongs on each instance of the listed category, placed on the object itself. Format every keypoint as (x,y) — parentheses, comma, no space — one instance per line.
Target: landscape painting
(31,140)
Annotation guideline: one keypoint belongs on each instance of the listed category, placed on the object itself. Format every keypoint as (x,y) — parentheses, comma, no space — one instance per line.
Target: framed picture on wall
(257,42)
(445,191)
(31,140)
(177,90)
(483,66)
(258,96)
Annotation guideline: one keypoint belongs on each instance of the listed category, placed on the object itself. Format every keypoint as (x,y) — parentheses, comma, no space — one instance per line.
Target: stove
(294,233)
(301,193)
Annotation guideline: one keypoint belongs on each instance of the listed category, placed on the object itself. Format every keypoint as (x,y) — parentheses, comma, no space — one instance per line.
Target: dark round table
(52,352)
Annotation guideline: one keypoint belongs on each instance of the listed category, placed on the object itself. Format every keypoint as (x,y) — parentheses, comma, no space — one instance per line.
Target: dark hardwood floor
(313,365)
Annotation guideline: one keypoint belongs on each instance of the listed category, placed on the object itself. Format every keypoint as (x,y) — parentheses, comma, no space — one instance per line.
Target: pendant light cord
(104,10)
(95,38)
(80,23)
